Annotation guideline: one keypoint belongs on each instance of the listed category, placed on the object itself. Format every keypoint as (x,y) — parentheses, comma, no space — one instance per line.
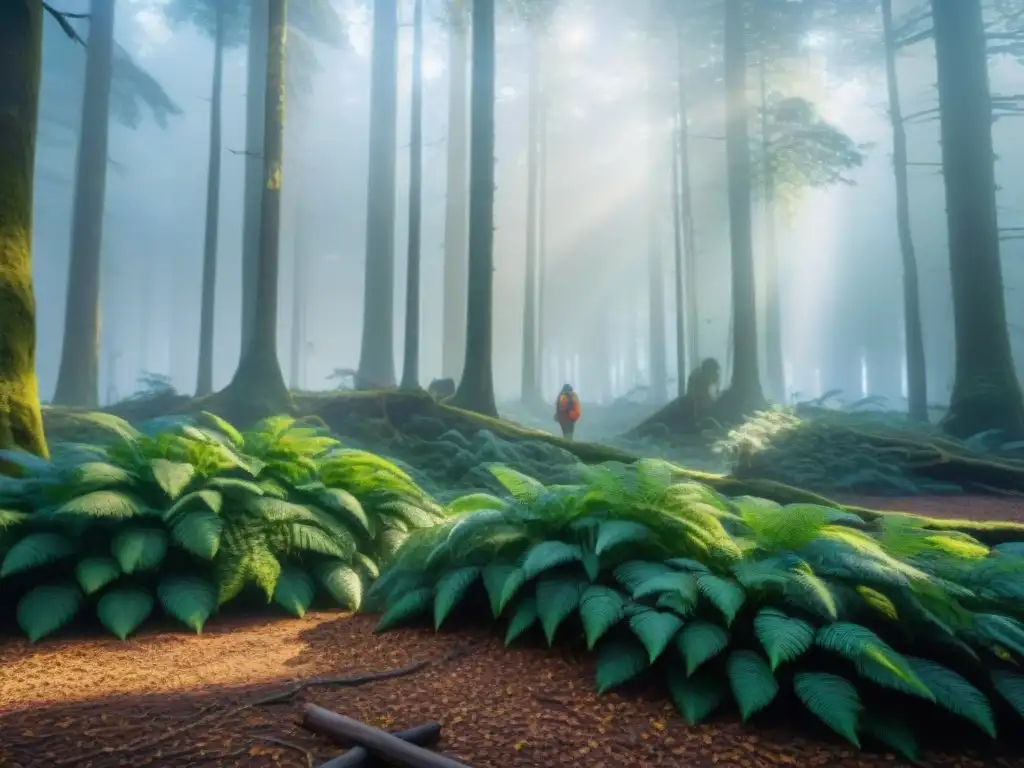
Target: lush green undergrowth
(863,451)
(880,630)
(186,517)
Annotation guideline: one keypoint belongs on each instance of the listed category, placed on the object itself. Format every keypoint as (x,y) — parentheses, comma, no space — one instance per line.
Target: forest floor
(165,698)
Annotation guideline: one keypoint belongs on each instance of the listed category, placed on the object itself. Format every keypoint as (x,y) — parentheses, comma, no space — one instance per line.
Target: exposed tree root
(287,695)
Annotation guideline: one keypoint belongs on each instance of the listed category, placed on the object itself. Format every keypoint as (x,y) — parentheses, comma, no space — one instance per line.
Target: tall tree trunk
(476,387)
(300,259)
(677,283)
(530,392)
(204,385)
(656,367)
(411,364)
(256,88)
(78,376)
(542,233)
(774,357)
(453,343)
(986,393)
(377,353)
(744,392)
(917,378)
(21,40)
(258,383)
(686,208)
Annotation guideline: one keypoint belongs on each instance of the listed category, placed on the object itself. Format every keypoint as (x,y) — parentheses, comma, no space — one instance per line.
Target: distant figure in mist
(567,411)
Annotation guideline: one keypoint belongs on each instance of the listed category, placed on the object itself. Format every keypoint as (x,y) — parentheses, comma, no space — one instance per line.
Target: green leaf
(556,600)
(224,427)
(687,564)
(873,657)
(189,599)
(450,589)
(108,505)
(655,630)
(343,583)
(954,693)
(35,550)
(548,555)
(878,602)
(618,661)
(139,549)
(199,532)
(675,602)
(243,561)
(44,610)
(94,573)
(783,638)
(234,487)
(684,584)
(94,475)
(1011,687)
(521,487)
(600,609)
(615,532)
(833,700)
(347,507)
(700,641)
(695,697)
(122,610)
(753,685)
(523,617)
(633,573)
(496,576)
(891,730)
(407,608)
(725,594)
(295,590)
(172,476)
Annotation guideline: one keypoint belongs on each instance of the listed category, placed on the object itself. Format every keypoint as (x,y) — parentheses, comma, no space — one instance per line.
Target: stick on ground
(424,735)
(375,740)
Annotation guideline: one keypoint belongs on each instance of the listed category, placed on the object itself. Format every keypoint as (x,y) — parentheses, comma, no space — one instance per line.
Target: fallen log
(424,735)
(378,742)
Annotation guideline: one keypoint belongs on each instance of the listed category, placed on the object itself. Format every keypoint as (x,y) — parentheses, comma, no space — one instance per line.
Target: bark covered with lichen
(21,424)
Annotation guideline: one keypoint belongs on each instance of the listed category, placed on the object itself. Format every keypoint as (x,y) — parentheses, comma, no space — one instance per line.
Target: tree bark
(677,283)
(411,364)
(542,235)
(256,87)
(656,368)
(744,393)
(917,379)
(986,394)
(476,387)
(300,259)
(774,357)
(21,35)
(377,356)
(204,384)
(456,208)
(686,211)
(258,384)
(529,390)
(78,376)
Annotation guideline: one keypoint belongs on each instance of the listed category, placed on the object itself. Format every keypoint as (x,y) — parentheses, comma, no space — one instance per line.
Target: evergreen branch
(62,19)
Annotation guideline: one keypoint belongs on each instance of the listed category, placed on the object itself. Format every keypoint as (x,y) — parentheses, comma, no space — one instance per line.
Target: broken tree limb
(375,740)
(425,735)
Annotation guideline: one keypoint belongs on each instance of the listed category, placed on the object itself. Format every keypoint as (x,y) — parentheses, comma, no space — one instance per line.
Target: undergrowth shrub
(874,628)
(192,516)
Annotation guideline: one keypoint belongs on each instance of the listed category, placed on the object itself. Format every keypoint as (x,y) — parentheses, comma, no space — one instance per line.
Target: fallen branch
(342,682)
(290,745)
(379,742)
(424,735)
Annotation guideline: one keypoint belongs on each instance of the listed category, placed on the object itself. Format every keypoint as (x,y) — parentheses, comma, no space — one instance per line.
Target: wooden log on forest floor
(378,742)
(425,735)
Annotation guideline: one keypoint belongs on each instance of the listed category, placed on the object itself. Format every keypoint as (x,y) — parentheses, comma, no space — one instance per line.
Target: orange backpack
(569,406)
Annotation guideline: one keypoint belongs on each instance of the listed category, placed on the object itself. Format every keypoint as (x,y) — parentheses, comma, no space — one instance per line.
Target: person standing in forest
(567,411)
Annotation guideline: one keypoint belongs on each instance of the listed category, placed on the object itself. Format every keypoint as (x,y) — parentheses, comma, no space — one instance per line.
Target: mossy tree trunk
(453,345)
(530,384)
(78,375)
(986,394)
(204,385)
(21,38)
(256,87)
(258,386)
(917,380)
(476,387)
(377,357)
(411,361)
(744,393)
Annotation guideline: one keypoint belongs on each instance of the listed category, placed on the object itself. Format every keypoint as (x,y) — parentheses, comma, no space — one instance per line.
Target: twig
(62,19)
(342,682)
(290,745)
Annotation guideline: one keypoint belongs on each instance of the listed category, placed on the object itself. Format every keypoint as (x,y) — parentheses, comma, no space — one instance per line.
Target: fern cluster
(188,515)
(874,628)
